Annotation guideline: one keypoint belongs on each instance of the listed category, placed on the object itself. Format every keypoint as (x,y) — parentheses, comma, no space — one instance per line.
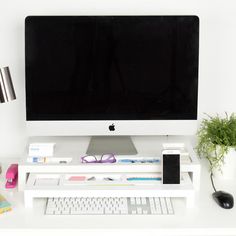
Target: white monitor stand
(120,145)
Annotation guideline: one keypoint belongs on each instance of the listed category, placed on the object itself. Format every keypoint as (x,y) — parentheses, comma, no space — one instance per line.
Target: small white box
(41,149)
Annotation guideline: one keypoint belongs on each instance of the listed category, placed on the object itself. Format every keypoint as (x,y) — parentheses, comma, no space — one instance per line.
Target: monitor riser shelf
(191,169)
(103,189)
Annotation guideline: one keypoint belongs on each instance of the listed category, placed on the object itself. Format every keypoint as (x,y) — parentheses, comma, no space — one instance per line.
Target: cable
(211,176)
(212,182)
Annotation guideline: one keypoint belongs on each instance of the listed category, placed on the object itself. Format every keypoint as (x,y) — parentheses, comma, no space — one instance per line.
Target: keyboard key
(143,200)
(163,205)
(50,211)
(169,206)
(139,210)
(158,206)
(138,201)
(132,201)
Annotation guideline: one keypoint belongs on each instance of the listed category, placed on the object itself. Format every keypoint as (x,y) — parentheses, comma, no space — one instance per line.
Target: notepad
(4,205)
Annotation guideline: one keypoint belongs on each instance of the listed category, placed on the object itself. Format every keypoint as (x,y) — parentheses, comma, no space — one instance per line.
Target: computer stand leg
(28,200)
(190,200)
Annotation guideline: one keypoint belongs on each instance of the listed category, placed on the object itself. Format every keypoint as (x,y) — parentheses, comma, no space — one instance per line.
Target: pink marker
(12,176)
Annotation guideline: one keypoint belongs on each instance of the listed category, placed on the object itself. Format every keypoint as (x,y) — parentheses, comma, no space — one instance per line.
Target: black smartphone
(171,167)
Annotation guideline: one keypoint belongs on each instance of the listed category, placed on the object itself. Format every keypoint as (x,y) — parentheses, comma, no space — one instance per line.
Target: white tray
(40,185)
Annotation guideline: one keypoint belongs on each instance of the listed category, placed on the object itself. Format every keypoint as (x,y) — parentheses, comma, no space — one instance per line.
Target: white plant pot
(228,170)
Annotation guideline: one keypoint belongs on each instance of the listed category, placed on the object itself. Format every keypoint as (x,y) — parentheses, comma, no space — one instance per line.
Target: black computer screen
(111,67)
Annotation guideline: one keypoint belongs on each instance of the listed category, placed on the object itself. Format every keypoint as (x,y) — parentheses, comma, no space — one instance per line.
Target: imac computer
(111,77)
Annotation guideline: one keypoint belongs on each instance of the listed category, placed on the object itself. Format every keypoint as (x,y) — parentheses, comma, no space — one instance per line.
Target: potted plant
(217,143)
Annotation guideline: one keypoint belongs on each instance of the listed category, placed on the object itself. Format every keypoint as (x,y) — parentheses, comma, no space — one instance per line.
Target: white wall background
(217,75)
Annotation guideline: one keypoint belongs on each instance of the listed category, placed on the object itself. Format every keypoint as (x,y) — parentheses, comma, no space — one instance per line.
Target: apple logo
(112,127)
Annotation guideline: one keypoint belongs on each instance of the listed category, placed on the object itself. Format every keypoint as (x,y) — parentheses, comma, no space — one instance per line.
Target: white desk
(205,219)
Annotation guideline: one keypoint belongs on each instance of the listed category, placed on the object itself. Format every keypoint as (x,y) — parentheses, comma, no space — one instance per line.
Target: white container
(41,149)
(228,169)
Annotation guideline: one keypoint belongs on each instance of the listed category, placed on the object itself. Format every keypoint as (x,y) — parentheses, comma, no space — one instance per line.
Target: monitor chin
(111,128)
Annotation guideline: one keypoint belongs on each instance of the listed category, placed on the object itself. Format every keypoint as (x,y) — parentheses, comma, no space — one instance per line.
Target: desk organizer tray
(94,179)
(40,185)
(189,164)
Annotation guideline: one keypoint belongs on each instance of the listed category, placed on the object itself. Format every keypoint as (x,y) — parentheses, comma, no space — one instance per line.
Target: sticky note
(4,205)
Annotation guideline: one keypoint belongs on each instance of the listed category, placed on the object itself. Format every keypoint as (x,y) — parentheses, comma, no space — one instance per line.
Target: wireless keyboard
(109,206)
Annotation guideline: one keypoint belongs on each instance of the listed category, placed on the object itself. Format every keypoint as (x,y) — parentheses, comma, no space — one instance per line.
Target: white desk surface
(206,218)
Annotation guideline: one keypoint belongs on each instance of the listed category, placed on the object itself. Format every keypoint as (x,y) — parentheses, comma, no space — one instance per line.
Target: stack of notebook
(4,205)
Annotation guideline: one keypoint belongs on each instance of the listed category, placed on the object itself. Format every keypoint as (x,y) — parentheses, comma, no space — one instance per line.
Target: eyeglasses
(105,158)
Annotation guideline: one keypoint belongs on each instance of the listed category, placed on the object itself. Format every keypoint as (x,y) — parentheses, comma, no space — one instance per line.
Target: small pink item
(77,178)
(12,176)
